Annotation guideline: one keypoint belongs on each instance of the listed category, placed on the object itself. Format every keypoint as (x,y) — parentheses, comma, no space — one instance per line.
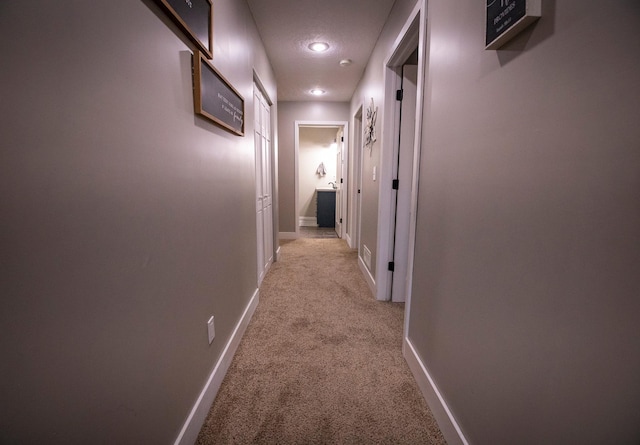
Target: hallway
(321,361)
(131,221)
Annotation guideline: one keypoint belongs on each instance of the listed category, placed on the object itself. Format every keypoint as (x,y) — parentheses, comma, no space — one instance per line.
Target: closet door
(264,199)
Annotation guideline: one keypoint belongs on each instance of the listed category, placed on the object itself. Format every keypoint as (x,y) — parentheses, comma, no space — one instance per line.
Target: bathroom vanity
(326,207)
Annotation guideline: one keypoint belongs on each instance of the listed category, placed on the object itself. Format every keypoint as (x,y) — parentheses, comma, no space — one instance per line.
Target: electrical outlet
(211,330)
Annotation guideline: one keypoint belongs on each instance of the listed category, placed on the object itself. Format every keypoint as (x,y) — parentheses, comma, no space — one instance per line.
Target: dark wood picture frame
(214,98)
(195,19)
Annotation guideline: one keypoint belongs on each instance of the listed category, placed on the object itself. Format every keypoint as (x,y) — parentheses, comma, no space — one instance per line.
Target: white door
(358,149)
(339,181)
(404,176)
(264,208)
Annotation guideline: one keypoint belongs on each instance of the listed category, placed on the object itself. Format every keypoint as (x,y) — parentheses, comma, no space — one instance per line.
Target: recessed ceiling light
(319,47)
(317,92)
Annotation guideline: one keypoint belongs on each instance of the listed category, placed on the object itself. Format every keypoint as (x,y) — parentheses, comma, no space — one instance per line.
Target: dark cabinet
(326,208)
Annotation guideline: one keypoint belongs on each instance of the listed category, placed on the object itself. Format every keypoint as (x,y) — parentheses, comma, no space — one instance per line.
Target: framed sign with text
(506,18)
(214,98)
(195,19)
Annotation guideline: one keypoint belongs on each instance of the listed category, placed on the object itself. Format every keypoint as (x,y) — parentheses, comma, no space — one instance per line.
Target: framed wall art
(370,127)
(195,19)
(506,18)
(214,98)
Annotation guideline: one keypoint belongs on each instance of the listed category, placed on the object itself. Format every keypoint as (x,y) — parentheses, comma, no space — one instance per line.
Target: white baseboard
(278,254)
(288,235)
(367,276)
(347,238)
(447,423)
(308,221)
(198,415)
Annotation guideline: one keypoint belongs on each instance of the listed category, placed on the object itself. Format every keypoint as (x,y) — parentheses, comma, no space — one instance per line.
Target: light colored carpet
(318,232)
(321,361)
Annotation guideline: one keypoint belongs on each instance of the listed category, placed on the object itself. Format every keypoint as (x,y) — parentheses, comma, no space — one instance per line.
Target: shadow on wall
(527,39)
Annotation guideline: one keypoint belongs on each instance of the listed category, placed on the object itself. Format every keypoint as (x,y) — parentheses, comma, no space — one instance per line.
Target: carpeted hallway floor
(320,362)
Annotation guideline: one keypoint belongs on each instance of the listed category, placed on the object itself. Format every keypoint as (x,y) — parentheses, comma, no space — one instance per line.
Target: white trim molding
(198,414)
(307,221)
(347,238)
(438,406)
(367,276)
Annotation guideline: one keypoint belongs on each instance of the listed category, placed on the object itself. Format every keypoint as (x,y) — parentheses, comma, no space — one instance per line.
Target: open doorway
(320,150)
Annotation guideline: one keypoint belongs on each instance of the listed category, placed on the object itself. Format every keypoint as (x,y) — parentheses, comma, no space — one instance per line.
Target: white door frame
(354,180)
(330,124)
(413,34)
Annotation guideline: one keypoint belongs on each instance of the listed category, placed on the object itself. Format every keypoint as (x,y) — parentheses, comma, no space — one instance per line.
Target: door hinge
(342,139)
(358,191)
(341,180)
(391,266)
(340,220)
(395,184)
(399,94)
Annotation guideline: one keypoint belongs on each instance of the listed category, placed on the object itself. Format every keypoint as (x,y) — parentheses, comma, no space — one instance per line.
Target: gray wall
(288,114)
(527,268)
(126,220)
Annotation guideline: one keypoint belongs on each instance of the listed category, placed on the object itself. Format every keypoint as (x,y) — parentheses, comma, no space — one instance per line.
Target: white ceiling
(350,27)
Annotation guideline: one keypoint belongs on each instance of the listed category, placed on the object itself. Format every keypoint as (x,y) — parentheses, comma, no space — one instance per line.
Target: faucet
(333,184)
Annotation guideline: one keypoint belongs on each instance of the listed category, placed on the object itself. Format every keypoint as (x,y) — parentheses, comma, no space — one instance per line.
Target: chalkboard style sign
(195,18)
(506,18)
(214,98)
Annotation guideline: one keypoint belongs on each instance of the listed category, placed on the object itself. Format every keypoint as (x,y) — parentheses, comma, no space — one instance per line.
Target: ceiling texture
(350,27)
